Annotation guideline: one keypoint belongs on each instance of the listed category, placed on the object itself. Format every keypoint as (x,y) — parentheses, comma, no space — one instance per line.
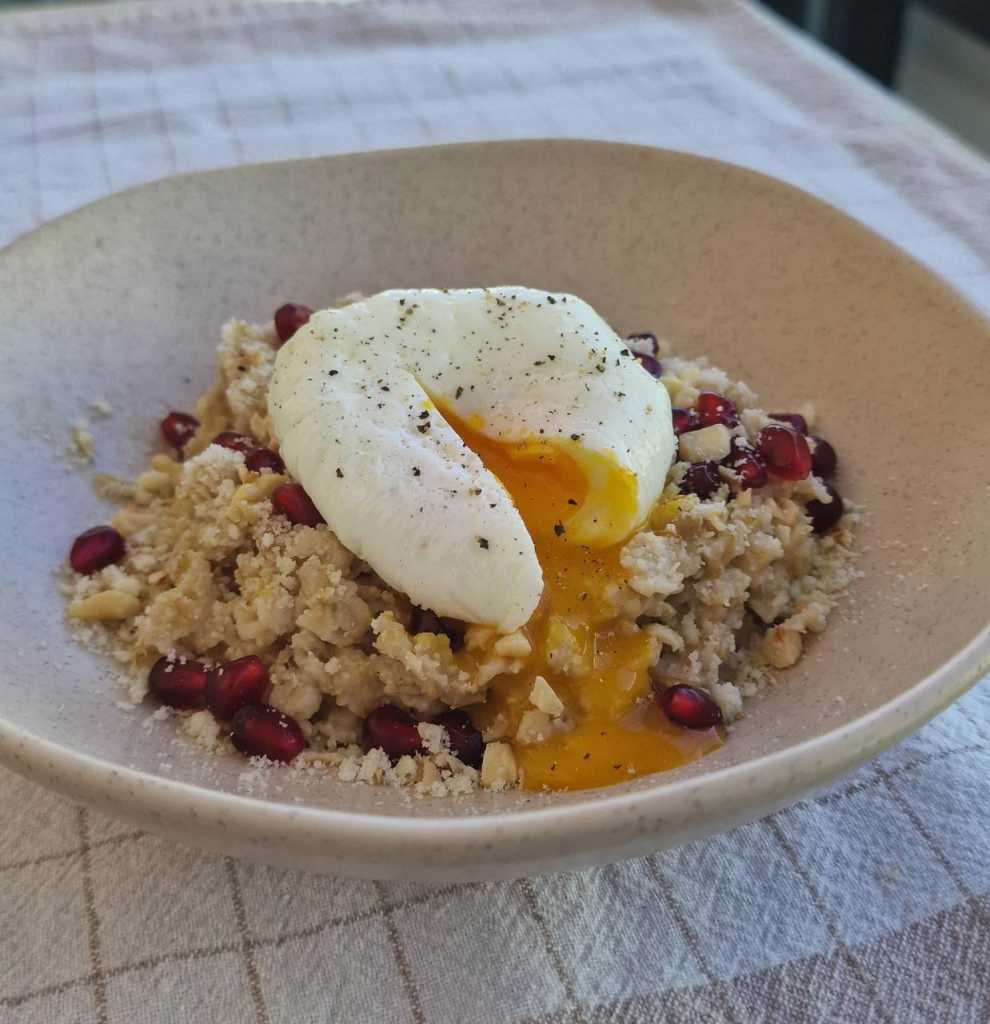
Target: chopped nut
(564,651)
(406,768)
(498,769)
(488,670)
(781,647)
(514,645)
(107,606)
(476,637)
(163,464)
(710,444)
(153,481)
(534,726)
(428,772)
(543,697)
(257,490)
(202,728)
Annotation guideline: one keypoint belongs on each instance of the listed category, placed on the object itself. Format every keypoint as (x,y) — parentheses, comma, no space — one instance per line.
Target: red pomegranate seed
(689,707)
(392,729)
(264,458)
(702,478)
(795,419)
(715,408)
(685,420)
(425,621)
(643,343)
(824,516)
(289,318)
(178,684)
(259,730)
(296,505)
(95,549)
(784,451)
(237,684)
(746,464)
(824,461)
(465,740)
(235,442)
(177,428)
(652,366)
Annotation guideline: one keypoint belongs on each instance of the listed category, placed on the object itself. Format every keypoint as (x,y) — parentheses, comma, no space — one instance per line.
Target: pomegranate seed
(652,366)
(264,458)
(824,461)
(795,419)
(715,408)
(689,707)
(746,464)
(643,343)
(177,428)
(237,684)
(392,729)
(702,478)
(824,516)
(685,420)
(289,318)
(178,684)
(425,621)
(235,442)
(95,549)
(296,505)
(259,730)
(784,451)
(465,740)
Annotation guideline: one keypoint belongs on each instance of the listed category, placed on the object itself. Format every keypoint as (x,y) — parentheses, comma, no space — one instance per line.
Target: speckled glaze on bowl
(123,300)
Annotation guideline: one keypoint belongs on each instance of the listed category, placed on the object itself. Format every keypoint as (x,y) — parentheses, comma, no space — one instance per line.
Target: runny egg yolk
(596,663)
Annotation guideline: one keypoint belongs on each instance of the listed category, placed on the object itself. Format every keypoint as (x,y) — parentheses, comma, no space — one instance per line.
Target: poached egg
(468,443)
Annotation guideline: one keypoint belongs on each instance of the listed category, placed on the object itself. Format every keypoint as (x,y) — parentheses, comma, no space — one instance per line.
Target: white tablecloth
(869,903)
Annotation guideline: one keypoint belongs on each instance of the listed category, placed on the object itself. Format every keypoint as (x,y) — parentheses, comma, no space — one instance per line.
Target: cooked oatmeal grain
(727,589)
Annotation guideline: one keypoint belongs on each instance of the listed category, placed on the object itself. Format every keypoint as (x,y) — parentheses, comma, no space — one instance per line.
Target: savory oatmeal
(480,568)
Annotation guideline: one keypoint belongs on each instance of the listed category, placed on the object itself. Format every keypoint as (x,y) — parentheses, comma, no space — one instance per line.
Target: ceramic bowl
(123,301)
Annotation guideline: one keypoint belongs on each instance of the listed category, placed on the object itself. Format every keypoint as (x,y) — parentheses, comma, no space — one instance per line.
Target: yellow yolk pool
(597,664)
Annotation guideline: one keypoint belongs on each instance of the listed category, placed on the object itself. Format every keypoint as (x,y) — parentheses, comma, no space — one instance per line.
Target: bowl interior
(123,301)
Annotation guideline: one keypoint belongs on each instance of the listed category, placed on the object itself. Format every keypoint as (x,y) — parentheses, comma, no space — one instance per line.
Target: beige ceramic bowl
(123,300)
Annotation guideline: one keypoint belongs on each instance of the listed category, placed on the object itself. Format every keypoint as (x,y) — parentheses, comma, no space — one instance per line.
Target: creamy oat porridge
(443,540)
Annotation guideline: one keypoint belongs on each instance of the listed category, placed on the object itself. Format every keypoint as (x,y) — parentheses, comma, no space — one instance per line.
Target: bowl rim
(747,788)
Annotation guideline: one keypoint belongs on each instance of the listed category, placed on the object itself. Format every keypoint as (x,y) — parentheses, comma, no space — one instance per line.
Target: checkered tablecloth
(869,903)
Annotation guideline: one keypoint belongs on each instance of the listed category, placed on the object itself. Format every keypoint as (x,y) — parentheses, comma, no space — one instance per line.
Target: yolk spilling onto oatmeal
(596,663)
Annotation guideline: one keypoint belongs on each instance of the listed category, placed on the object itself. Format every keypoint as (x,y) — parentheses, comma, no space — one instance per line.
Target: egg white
(353,402)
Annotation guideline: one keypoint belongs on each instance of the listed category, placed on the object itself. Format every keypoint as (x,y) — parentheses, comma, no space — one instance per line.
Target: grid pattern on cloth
(870,902)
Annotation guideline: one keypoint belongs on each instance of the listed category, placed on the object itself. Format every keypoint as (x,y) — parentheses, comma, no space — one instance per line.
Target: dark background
(934,53)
